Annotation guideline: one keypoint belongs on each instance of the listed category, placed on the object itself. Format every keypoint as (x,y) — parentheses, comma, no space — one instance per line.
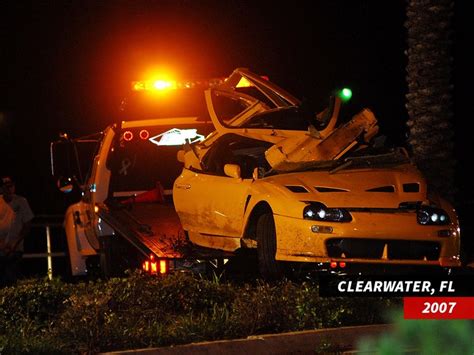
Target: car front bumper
(377,238)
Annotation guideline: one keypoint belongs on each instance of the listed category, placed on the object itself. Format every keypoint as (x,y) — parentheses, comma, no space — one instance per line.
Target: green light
(345,94)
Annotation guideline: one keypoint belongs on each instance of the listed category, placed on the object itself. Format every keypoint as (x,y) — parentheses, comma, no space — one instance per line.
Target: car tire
(269,268)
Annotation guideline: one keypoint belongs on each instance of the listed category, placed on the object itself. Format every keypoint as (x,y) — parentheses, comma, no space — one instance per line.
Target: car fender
(281,200)
(277,198)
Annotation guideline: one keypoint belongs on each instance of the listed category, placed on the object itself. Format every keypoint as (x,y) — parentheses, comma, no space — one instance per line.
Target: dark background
(66,65)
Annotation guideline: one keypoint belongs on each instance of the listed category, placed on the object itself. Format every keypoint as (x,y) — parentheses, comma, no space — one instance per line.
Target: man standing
(12,247)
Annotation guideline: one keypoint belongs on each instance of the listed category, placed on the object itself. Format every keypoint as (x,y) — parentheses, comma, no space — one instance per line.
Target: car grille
(373,249)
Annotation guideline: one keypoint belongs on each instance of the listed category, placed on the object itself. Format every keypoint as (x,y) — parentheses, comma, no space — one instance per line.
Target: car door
(96,189)
(208,201)
(253,94)
(243,80)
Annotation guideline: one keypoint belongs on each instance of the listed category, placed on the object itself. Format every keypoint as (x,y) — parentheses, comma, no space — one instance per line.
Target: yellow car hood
(358,188)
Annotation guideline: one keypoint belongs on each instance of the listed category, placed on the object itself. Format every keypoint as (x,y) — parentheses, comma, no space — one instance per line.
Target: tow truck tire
(105,257)
(269,268)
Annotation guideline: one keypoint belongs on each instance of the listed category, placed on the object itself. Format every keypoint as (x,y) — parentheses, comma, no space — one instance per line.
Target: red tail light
(163,267)
(156,267)
(333,264)
(342,264)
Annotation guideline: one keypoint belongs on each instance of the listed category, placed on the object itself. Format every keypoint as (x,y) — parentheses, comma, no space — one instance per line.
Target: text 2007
(439,307)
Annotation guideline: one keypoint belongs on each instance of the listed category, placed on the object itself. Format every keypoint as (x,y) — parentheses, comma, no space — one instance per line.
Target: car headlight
(432,216)
(318,212)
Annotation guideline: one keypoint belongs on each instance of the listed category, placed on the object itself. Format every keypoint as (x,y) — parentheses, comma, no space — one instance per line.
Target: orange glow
(163,266)
(138,85)
(96,209)
(163,84)
(146,266)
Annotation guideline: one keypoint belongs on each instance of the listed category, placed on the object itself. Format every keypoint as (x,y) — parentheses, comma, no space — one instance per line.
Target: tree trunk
(429,98)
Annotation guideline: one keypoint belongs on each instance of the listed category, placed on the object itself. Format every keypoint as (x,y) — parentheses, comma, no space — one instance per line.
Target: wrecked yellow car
(306,188)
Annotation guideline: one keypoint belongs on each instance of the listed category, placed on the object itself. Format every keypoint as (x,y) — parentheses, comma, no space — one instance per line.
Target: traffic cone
(155,195)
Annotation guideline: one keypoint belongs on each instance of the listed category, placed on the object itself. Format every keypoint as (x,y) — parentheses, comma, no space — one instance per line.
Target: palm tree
(429,98)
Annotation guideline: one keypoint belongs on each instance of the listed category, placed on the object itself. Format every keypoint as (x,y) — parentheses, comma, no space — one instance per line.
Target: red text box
(438,307)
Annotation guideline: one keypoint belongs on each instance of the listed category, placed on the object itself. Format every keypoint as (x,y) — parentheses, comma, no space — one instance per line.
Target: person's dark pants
(10,268)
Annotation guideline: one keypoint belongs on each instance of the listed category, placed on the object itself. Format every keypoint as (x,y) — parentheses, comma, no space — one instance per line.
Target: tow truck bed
(154,228)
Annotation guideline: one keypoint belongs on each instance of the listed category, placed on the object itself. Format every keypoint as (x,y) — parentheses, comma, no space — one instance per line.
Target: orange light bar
(162,85)
(156,85)
(146,266)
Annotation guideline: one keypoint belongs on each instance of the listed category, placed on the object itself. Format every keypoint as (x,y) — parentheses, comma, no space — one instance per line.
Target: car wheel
(270,269)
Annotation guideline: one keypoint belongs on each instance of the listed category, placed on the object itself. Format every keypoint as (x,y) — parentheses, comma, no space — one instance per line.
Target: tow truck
(125,218)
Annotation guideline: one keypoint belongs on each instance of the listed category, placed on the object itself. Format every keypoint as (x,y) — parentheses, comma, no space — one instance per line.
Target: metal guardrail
(47,222)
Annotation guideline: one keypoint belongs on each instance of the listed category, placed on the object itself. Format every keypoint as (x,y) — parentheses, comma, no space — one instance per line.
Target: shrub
(141,311)
(28,313)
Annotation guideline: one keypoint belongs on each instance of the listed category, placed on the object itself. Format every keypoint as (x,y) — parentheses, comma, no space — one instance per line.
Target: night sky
(66,65)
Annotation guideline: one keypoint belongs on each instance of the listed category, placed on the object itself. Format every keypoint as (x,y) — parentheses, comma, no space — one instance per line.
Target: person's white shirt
(22,214)
(7,217)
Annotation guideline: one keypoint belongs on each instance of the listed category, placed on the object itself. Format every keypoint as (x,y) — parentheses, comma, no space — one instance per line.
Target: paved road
(304,342)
